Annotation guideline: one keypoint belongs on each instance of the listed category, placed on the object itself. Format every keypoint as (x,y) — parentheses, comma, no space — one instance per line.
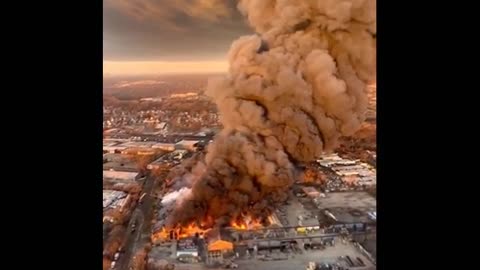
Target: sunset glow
(162,67)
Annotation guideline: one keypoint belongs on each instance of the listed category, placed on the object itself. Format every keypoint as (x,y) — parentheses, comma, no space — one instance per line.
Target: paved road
(141,214)
(129,241)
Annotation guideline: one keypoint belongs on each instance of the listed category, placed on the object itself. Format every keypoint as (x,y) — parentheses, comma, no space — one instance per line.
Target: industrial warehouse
(330,222)
(330,228)
(350,171)
(127,146)
(114,203)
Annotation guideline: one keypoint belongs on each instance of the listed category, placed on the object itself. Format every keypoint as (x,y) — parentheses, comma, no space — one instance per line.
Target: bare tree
(160,265)
(106,263)
(113,242)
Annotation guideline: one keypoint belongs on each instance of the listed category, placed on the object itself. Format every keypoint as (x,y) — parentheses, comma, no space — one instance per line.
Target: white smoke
(176,196)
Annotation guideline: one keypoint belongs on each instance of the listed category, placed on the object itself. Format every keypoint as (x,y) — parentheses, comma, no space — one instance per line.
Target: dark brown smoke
(291,92)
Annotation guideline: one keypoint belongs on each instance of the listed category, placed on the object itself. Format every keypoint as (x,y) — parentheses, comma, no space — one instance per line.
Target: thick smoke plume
(292,90)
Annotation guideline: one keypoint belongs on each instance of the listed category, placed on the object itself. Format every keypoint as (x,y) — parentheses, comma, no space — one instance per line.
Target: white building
(113,199)
(112,146)
(187,145)
(164,146)
(117,175)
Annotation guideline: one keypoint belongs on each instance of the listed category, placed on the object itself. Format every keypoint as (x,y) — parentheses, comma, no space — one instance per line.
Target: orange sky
(162,67)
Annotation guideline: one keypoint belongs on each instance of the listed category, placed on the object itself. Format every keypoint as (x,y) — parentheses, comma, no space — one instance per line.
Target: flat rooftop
(119,162)
(164,145)
(347,207)
(110,143)
(350,199)
(128,176)
(113,198)
(139,144)
(187,142)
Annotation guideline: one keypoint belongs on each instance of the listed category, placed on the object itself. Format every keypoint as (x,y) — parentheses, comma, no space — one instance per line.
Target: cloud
(170,30)
(211,10)
(167,11)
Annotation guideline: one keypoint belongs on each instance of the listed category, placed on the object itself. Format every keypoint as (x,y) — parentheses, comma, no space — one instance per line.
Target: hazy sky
(145,35)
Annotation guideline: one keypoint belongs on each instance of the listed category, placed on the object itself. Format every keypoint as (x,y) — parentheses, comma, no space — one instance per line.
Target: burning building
(217,247)
(188,247)
(293,89)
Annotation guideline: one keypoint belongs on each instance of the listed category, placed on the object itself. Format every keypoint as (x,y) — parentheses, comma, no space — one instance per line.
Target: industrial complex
(329,221)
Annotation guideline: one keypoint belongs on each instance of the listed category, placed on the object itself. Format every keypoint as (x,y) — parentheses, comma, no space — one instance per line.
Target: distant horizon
(139,68)
(158,75)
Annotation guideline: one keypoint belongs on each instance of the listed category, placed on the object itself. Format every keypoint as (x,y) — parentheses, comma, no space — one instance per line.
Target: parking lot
(352,199)
(329,255)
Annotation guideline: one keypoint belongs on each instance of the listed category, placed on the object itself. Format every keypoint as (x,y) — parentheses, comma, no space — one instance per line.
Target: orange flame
(238,226)
(179,232)
(246,223)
